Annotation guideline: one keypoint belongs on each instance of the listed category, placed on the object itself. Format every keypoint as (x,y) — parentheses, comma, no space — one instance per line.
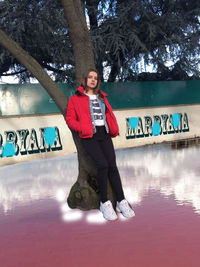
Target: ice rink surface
(38,229)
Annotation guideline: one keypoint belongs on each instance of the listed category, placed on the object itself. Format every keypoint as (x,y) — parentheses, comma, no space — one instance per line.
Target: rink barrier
(36,136)
(32,99)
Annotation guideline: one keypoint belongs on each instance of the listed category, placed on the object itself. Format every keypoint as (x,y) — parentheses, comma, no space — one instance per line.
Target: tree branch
(14,73)
(36,70)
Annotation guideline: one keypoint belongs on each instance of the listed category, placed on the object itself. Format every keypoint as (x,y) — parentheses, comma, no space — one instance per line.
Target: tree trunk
(84,194)
(113,73)
(79,36)
(92,7)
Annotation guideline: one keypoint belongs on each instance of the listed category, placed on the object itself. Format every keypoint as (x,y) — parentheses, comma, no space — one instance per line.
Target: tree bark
(79,36)
(92,7)
(85,194)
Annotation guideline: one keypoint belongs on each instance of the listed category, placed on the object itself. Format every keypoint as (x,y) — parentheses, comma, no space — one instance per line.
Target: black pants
(101,150)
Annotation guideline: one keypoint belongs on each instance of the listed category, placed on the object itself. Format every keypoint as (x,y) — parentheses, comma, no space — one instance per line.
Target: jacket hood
(80,89)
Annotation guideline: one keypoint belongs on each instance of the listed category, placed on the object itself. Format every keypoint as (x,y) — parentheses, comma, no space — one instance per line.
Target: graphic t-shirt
(98,116)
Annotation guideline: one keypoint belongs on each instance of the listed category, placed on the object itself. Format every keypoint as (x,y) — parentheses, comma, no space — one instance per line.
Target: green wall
(21,99)
(148,94)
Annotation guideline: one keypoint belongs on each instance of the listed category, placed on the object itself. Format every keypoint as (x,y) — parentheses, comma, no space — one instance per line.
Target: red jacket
(78,115)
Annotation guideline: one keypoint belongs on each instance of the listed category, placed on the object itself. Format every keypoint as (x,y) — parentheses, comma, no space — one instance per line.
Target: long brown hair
(97,89)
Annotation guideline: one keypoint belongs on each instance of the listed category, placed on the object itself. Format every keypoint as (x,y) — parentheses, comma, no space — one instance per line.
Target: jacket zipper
(89,112)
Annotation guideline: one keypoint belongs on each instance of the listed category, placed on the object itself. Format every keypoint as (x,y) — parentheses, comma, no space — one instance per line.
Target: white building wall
(10,127)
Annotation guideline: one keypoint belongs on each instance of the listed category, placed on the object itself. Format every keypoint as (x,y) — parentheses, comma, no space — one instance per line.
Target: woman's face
(92,80)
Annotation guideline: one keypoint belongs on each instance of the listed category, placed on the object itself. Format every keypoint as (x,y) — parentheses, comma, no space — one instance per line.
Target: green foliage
(124,34)
(41,29)
(158,32)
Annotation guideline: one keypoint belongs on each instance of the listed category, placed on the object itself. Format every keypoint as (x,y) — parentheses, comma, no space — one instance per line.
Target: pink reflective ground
(37,228)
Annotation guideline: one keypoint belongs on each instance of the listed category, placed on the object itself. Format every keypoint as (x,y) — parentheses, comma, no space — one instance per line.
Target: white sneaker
(125,208)
(108,212)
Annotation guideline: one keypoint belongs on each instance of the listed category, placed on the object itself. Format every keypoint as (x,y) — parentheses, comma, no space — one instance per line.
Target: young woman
(90,114)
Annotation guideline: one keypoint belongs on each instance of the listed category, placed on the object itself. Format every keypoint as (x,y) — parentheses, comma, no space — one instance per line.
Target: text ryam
(26,141)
